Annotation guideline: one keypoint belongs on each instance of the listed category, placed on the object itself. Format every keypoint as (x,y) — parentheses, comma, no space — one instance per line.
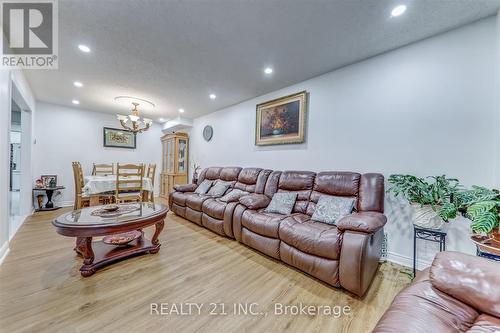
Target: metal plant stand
(433,235)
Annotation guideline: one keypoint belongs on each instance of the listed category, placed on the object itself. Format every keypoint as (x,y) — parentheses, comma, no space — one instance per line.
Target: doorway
(15,159)
(20,182)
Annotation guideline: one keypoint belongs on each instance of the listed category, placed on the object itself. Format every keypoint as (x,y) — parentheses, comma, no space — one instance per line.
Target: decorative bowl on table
(111,208)
(123,238)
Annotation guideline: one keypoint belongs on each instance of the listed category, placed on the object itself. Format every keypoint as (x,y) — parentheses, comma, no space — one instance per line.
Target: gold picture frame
(282,120)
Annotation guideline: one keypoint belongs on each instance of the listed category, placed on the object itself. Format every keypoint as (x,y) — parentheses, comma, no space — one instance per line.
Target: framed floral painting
(281,121)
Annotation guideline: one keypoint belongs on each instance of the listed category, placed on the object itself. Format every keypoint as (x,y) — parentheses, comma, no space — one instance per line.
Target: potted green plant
(430,198)
(480,205)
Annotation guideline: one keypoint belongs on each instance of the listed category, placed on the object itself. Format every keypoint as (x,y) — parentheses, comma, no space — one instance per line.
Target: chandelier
(137,125)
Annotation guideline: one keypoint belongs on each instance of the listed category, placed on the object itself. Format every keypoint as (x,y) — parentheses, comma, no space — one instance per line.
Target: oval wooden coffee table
(85,224)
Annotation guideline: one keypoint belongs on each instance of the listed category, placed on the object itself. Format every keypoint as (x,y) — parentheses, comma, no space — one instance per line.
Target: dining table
(99,185)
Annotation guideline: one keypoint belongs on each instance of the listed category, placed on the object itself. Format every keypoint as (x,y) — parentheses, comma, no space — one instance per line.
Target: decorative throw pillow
(282,203)
(233,195)
(218,190)
(203,187)
(224,182)
(330,209)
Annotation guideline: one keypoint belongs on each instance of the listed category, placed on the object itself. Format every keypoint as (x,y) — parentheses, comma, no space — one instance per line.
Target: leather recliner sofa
(212,213)
(458,293)
(342,255)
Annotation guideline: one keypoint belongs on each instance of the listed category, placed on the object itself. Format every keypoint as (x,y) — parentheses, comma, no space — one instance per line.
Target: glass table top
(96,215)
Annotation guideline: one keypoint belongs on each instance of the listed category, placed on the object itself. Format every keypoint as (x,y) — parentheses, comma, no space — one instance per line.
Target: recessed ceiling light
(268,70)
(161,119)
(75,101)
(212,96)
(398,10)
(181,110)
(84,48)
(78,84)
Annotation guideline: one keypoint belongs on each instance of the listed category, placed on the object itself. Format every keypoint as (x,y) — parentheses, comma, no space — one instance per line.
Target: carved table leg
(78,241)
(154,240)
(84,247)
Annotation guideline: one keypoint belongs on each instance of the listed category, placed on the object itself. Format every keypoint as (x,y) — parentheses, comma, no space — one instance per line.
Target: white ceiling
(176,53)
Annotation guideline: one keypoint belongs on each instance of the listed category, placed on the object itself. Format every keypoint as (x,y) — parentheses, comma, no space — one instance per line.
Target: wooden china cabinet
(175,162)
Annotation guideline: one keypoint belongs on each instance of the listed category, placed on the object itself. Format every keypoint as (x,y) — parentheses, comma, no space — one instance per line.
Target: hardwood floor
(41,289)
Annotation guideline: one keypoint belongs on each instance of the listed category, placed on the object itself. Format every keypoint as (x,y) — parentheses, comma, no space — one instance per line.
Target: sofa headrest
(248,176)
(337,183)
(371,193)
(470,279)
(296,180)
(212,173)
(229,173)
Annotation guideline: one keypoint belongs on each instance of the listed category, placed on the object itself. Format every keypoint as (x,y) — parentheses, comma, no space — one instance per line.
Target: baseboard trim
(68,203)
(17,226)
(407,261)
(4,251)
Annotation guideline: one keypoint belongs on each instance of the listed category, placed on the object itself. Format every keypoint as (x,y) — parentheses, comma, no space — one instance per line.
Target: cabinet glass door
(182,158)
(170,155)
(164,163)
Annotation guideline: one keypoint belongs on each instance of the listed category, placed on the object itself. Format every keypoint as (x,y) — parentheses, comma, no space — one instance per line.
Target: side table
(433,235)
(49,205)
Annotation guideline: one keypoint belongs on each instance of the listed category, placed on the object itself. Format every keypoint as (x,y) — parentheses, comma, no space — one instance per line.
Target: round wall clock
(208,132)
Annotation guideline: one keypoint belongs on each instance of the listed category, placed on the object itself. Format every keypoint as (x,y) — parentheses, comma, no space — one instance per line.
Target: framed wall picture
(281,121)
(114,137)
(49,181)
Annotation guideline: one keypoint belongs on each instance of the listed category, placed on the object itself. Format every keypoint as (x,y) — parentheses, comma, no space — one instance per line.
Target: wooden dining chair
(151,173)
(103,169)
(81,199)
(129,182)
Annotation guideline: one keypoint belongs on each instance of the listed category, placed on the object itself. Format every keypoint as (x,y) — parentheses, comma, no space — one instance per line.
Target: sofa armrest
(368,222)
(255,201)
(185,188)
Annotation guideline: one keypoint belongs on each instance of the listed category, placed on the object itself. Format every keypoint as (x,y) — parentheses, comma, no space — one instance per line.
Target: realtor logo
(30,34)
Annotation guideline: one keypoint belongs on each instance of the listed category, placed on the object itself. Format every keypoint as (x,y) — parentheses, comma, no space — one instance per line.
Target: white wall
(68,134)
(425,109)
(9,78)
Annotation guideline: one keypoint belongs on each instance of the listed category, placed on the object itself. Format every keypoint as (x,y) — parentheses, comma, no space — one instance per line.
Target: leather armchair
(459,293)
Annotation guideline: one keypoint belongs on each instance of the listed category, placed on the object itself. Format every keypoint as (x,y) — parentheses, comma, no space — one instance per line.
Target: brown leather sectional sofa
(459,293)
(342,255)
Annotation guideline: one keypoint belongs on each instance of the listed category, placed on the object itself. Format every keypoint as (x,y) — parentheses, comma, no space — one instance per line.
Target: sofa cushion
(262,223)
(233,195)
(204,187)
(343,184)
(282,203)
(311,237)
(330,209)
(195,201)
(211,173)
(214,208)
(229,173)
(300,182)
(218,189)
(247,179)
